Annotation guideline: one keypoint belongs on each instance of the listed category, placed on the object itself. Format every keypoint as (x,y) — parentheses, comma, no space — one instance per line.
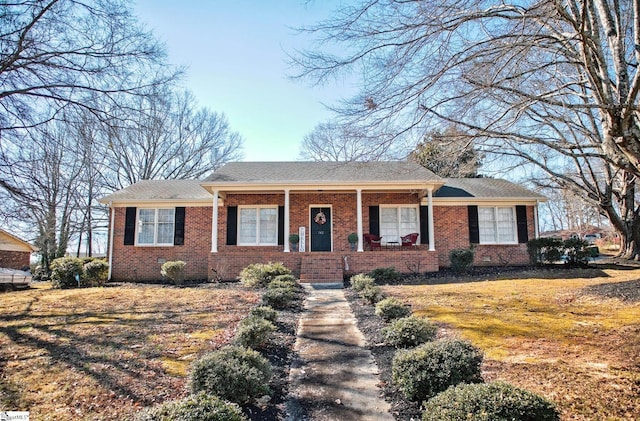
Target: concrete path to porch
(334,376)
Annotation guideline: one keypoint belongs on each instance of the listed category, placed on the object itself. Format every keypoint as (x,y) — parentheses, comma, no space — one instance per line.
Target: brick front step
(321,269)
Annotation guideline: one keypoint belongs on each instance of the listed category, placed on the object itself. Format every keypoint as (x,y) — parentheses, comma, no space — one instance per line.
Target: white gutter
(112,210)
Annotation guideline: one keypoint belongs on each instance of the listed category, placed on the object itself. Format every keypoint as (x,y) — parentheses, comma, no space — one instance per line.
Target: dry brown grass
(103,353)
(559,336)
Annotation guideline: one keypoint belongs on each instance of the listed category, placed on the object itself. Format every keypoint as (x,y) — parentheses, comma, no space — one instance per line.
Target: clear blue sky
(235,53)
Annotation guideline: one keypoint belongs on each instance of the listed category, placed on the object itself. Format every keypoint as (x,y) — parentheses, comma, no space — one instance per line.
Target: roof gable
(9,242)
(484,188)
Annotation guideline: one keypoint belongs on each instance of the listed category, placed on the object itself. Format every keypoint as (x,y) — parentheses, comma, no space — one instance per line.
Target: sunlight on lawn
(549,335)
(106,352)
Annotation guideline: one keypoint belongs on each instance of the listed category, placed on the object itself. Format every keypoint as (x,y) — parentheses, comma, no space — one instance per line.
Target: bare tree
(332,141)
(169,138)
(547,84)
(58,55)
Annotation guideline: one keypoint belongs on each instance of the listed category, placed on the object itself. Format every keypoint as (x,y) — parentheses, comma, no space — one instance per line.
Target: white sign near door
(301,245)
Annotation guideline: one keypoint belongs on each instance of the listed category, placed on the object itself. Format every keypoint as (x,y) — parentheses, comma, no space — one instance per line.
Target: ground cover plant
(571,336)
(105,353)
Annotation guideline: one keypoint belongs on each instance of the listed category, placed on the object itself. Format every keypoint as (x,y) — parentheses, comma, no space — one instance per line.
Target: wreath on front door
(320,218)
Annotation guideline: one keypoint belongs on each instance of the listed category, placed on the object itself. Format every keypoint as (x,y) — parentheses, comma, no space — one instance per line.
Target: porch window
(398,221)
(497,225)
(156,227)
(258,226)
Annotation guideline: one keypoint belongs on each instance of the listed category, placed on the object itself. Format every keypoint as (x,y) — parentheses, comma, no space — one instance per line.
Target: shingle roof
(484,188)
(319,172)
(149,190)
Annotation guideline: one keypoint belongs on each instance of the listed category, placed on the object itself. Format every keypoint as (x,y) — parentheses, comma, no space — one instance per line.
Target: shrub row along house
(245,212)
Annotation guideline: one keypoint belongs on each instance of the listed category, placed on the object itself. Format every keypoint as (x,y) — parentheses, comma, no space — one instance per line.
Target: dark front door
(321,229)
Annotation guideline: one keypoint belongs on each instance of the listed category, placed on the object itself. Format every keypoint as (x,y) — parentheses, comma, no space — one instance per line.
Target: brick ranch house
(14,252)
(245,212)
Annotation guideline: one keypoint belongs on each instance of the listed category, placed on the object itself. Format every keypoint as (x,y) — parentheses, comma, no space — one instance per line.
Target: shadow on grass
(499,273)
(628,291)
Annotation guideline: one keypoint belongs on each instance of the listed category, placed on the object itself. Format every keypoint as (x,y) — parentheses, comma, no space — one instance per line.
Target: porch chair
(409,240)
(373,241)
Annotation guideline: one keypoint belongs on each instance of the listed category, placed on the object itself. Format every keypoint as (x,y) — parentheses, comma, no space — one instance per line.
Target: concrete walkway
(334,376)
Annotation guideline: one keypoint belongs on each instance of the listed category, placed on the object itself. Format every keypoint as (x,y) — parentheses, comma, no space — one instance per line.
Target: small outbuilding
(14,252)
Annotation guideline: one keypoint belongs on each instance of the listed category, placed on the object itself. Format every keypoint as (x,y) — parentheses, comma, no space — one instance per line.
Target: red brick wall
(14,259)
(133,263)
(452,231)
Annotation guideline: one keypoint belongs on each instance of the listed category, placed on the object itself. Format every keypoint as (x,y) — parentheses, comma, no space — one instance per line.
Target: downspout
(113,215)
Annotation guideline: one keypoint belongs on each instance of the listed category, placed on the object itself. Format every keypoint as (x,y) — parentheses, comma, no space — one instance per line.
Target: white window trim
(257,208)
(495,227)
(155,228)
(397,207)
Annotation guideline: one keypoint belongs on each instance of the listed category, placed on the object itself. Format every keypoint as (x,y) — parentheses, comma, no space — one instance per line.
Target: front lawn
(572,336)
(104,353)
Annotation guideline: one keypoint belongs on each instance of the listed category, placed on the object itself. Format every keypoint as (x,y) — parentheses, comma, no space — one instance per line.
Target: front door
(321,229)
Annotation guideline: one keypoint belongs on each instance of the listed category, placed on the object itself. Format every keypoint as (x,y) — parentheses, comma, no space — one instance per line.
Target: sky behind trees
(236,58)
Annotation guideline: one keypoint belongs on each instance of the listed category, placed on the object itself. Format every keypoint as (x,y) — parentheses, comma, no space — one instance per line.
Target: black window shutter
(374,220)
(178,232)
(424,224)
(521,220)
(280,225)
(474,228)
(232,225)
(130,226)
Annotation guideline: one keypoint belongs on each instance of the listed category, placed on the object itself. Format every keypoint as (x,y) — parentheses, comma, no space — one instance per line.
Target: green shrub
(361,281)
(64,271)
(200,406)
(285,283)
(173,270)
(260,274)
(372,294)
(576,252)
(96,272)
(385,275)
(392,308)
(461,259)
(278,297)
(487,402)
(234,373)
(265,312)
(409,332)
(431,368)
(254,332)
(544,250)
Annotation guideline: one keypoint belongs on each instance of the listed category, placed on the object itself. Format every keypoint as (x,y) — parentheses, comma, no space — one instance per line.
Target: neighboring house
(245,211)
(14,252)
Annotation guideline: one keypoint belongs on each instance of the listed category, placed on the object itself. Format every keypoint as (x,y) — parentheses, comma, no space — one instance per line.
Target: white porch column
(359,218)
(432,237)
(214,224)
(286,221)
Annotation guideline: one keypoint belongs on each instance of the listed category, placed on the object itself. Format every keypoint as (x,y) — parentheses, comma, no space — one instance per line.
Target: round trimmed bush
(385,275)
(260,274)
(96,272)
(431,368)
(265,312)
(254,332)
(278,297)
(195,407)
(173,270)
(372,294)
(285,279)
(282,283)
(391,308)
(361,281)
(234,373)
(409,332)
(461,259)
(489,401)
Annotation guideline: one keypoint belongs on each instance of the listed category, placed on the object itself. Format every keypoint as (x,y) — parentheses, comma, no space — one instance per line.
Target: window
(398,221)
(497,225)
(156,226)
(258,226)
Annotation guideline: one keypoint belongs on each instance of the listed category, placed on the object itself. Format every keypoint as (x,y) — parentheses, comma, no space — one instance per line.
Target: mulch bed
(280,354)
(371,326)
